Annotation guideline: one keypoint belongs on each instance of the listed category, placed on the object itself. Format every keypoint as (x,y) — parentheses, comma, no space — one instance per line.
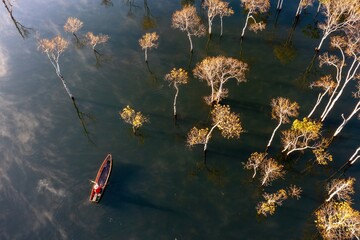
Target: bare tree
(338,220)
(270,171)
(73,25)
(177,77)
(328,85)
(216,71)
(94,40)
(282,110)
(254,162)
(227,122)
(148,41)
(53,48)
(349,48)
(341,188)
(188,21)
(136,119)
(339,15)
(254,7)
(294,191)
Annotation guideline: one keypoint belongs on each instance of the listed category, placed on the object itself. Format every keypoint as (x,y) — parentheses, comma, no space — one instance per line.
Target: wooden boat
(101,180)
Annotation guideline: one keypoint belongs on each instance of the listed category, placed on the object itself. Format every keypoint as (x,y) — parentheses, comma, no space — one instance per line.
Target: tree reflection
(107,3)
(23,31)
(83,117)
(286,52)
(148,21)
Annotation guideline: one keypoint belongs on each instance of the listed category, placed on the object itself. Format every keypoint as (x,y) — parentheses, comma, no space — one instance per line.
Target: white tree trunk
(208,136)
(353,158)
(273,134)
(146,57)
(345,120)
(176,94)
(191,44)
(320,97)
(246,23)
(221,26)
(210,25)
(299,9)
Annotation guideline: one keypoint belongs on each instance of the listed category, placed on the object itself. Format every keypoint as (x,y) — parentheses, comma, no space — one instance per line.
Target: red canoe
(101,180)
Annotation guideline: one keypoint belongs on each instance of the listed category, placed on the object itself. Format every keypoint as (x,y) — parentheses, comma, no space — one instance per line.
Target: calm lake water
(159,188)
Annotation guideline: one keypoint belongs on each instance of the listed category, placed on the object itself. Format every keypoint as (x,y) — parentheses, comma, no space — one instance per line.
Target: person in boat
(97,188)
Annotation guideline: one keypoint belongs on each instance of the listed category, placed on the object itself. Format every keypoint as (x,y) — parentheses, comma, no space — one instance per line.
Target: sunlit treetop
(55,45)
(308,127)
(282,109)
(94,40)
(177,76)
(228,122)
(149,40)
(73,25)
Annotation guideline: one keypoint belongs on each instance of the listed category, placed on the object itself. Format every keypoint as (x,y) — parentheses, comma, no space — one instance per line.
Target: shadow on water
(118,193)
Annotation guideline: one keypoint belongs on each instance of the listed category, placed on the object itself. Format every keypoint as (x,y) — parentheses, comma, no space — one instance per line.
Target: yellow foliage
(307,126)
(177,76)
(136,119)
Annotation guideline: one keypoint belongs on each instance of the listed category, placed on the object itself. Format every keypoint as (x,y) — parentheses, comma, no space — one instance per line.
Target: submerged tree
(271,202)
(53,48)
(94,40)
(130,116)
(338,220)
(339,16)
(328,85)
(276,199)
(227,122)
(255,161)
(224,11)
(254,7)
(73,25)
(270,171)
(216,71)
(355,110)
(303,4)
(341,188)
(148,41)
(188,21)
(282,110)
(177,77)
(306,134)
(349,48)
(214,8)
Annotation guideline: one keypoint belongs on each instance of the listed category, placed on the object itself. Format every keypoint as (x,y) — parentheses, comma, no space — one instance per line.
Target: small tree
(188,21)
(254,7)
(94,40)
(276,199)
(282,110)
(216,71)
(339,16)
(224,11)
(136,119)
(73,25)
(254,162)
(227,122)
(270,171)
(177,77)
(148,41)
(328,85)
(53,48)
(341,188)
(271,202)
(338,220)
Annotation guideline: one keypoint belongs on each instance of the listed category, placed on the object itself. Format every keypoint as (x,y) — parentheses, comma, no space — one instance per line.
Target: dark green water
(159,188)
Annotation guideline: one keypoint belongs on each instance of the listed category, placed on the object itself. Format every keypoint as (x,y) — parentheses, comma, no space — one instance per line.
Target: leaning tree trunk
(346,120)
(208,137)
(318,101)
(146,57)
(246,23)
(273,134)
